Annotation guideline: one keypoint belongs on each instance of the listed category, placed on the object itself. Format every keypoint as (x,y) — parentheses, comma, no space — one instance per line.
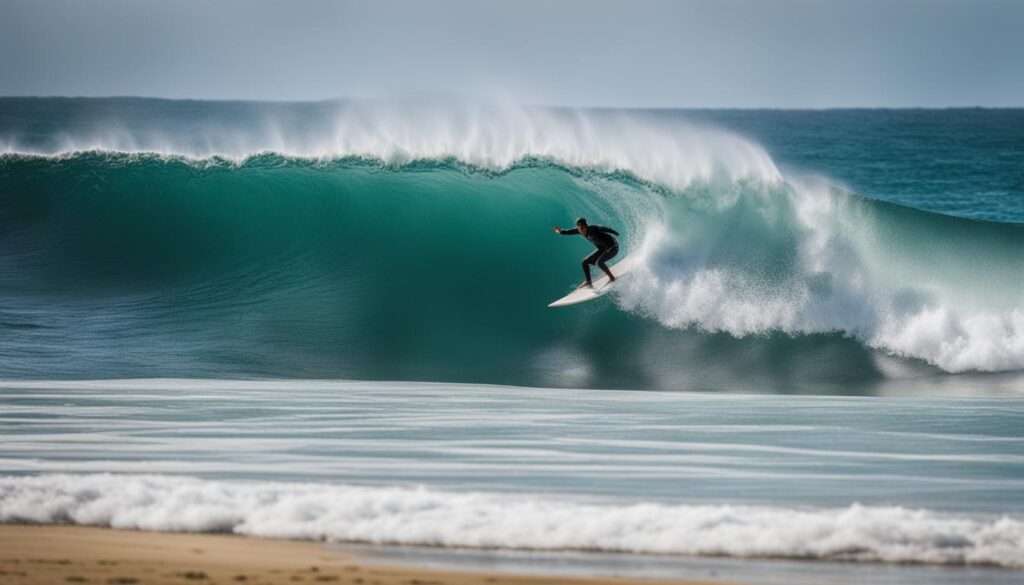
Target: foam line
(426,517)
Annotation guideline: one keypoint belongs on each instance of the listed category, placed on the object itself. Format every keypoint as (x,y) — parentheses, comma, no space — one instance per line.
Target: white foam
(425,517)
(846,275)
(493,136)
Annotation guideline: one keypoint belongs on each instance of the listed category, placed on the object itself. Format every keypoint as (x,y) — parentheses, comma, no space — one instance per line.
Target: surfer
(603,238)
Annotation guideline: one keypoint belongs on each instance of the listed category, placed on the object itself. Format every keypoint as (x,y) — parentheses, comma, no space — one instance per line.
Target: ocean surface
(879,490)
(819,358)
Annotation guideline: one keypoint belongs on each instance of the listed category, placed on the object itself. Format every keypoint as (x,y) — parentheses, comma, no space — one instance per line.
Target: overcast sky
(732,53)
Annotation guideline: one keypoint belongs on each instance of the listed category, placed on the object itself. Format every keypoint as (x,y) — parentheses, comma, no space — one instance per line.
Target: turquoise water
(188,289)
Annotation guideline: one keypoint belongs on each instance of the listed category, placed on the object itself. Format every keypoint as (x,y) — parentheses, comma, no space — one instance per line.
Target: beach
(37,555)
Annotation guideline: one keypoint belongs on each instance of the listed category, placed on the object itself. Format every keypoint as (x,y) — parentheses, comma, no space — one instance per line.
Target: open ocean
(328,320)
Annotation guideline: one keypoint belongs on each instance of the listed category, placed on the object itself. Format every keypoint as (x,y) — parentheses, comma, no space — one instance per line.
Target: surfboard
(602,286)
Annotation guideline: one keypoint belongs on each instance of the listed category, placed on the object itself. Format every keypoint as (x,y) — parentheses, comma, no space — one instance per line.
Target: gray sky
(731,53)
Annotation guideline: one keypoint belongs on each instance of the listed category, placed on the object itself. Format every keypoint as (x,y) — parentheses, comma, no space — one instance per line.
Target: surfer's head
(581,224)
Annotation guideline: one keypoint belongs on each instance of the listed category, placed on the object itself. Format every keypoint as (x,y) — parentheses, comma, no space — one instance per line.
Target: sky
(636,53)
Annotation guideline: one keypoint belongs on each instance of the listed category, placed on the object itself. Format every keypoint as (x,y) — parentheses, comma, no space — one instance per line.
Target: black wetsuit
(602,238)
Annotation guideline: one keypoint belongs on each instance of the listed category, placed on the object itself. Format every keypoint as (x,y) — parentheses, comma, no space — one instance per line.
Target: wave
(285,247)
(389,515)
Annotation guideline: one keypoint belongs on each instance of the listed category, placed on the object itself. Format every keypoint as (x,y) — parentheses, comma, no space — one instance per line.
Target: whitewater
(395,516)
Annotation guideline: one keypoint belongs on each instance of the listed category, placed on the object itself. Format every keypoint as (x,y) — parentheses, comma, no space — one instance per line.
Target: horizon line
(529,105)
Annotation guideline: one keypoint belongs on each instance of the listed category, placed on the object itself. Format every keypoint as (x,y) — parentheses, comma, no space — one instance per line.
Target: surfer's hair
(581,221)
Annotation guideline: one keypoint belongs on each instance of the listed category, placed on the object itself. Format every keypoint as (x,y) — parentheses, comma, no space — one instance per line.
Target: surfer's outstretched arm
(568,232)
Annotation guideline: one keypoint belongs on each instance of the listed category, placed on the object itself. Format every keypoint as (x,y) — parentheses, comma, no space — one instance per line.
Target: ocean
(328,320)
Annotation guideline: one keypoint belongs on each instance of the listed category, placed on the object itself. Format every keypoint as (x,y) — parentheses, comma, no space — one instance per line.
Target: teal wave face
(144,266)
(122,265)
(339,270)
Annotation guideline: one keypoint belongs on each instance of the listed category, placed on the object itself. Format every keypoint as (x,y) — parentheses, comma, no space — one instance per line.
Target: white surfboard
(601,285)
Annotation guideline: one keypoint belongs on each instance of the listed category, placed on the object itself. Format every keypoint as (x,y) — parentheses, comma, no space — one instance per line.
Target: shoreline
(32,554)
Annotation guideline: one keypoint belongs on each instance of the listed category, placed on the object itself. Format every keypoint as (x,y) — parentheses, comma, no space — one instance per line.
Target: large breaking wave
(405,240)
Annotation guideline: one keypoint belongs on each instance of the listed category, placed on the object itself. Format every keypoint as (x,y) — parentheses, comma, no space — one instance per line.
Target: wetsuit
(602,238)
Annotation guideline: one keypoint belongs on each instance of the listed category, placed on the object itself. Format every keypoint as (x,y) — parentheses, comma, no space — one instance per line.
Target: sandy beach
(37,555)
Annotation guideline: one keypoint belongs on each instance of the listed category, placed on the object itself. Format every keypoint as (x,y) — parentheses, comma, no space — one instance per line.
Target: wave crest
(673,153)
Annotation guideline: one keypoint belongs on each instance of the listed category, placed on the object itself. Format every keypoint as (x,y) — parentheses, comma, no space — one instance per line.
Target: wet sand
(37,555)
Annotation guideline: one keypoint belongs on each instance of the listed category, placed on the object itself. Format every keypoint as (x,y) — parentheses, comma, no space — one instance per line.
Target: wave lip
(492,136)
(392,515)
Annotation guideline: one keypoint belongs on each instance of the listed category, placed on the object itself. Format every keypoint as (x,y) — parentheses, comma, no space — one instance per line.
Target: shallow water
(922,480)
